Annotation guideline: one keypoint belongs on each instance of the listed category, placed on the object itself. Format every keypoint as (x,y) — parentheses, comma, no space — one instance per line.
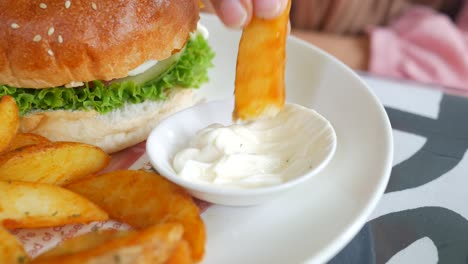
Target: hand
(237,13)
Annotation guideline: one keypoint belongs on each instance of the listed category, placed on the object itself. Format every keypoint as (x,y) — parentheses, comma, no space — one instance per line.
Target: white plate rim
(339,242)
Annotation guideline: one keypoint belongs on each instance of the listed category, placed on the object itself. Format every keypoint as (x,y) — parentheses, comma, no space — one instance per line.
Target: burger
(100,72)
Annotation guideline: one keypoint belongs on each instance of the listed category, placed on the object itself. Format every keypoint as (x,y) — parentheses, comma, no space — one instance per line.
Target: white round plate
(315,221)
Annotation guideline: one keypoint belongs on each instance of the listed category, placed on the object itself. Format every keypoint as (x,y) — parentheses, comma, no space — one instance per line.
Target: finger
(269,8)
(233,13)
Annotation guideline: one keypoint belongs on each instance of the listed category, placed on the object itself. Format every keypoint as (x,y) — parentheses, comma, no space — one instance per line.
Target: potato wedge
(9,121)
(25,139)
(31,205)
(56,163)
(143,199)
(84,242)
(11,250)
(153,245)
(181,254)
(259,84)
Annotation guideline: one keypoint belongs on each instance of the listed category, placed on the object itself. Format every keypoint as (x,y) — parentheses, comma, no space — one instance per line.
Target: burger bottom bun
(113,131)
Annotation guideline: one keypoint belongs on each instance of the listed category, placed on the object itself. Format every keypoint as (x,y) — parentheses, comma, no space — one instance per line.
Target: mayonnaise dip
(261,153)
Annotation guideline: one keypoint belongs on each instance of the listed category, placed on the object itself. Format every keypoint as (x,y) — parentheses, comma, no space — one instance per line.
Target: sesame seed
(37,38)
(60,39)
(51,31)
(14,26)
(67,4)
(94,6)
(50,52)
(42,5)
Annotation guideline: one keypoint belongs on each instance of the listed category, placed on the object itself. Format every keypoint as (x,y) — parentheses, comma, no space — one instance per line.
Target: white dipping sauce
(261,153)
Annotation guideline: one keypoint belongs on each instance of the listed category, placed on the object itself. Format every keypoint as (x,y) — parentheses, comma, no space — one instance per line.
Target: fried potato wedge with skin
(181,254)
(260,85)
(9,121)
(85,242)
(26,139)
(153,245)
(142,199)
(56,163)
(33,205)
(11,250)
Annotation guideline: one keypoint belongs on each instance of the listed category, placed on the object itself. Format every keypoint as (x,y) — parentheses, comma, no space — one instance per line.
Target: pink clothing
(423,45)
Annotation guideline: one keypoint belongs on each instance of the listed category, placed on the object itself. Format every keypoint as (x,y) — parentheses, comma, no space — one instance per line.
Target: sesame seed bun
(53,43)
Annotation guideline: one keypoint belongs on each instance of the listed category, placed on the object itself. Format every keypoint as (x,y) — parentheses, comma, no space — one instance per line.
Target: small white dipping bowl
(174,133)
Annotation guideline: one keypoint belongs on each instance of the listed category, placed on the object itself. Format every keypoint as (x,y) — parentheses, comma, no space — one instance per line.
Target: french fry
(25,139)
(259,84)
(9,121)
(153,245)
(56,163)
(11,250)
(143,199)
(32,205)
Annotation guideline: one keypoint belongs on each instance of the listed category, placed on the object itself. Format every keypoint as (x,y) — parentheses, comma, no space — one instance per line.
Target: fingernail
(269,8)
(233,13)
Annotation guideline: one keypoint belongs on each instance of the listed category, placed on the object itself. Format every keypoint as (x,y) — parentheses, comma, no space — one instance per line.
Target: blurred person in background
(422,40)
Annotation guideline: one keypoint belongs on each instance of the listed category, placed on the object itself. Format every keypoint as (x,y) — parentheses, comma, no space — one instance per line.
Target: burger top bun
(50,43)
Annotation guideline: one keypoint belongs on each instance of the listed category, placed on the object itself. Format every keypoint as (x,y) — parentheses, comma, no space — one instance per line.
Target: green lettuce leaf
(190,71)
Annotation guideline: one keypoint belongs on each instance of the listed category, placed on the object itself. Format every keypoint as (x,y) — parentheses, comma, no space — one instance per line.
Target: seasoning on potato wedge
(261,59)
(25,139)
(153,245)
(33,205)
(9,122)
(142,199)
(11,250)
(85,242)
(55,163)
